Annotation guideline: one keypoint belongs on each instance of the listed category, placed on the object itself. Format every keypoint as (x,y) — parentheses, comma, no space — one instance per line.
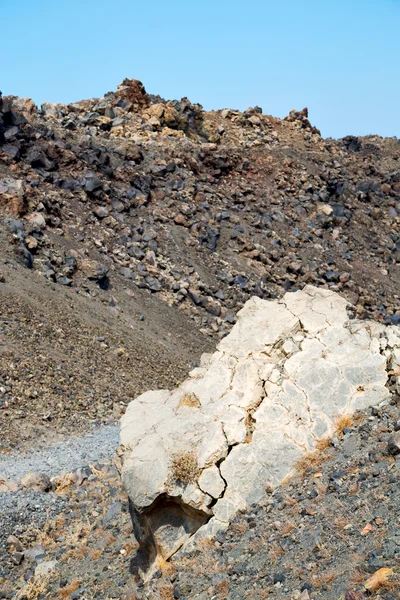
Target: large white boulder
(192,457)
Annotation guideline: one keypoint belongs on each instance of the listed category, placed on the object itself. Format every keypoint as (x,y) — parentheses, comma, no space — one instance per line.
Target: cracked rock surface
(193,457)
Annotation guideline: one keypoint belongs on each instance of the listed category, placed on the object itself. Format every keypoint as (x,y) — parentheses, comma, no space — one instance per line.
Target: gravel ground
(28,509)
(322,534)
(62,457)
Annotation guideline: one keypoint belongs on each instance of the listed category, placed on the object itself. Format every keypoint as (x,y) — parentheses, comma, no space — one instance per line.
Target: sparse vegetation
(312,461)
(63,482)
(184,467)
(34,588)
(69,589)
(190,400)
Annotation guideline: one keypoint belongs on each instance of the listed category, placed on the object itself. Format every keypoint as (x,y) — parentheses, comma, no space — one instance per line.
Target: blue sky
(340,58)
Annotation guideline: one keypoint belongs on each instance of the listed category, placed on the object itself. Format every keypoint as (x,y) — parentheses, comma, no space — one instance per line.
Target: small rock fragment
(45,567)
(36,481)
(394,444)
(378,579)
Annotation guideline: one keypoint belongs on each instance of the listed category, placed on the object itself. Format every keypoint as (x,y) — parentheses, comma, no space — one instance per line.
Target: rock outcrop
(277,384)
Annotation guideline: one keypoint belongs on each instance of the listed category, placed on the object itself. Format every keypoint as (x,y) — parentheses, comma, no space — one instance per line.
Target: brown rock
(36,481)
(31,242)
(134,92)
(378,579)
(180,219)
(12,540)
(93,269)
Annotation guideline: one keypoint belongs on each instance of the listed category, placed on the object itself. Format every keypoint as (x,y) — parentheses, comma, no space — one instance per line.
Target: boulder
(278,383)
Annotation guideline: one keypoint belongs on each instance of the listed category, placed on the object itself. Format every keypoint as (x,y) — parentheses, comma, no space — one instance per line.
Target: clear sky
(340,58)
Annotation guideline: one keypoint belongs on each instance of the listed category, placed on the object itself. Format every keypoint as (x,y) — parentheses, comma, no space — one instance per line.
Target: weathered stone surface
(36,481)
(275,386)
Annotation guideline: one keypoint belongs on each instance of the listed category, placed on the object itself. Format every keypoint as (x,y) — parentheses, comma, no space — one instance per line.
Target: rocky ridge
(161,216)
(203,208)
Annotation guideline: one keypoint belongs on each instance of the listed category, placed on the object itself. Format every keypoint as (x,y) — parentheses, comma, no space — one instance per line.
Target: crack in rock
(275,386)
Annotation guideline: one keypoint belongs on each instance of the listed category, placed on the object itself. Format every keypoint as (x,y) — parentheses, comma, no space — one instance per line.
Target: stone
(15,226)
(237,426)
(31,243)
(153,284)
(7,485)
(93,269)
(101,212)
(378,579)
(36,481)
(93,183)
(12,540)
(37,220)
(45,567)
(211,482)
(394,444)
(38,159)
(36,552)
(82,474)
(17,557)
(128,273)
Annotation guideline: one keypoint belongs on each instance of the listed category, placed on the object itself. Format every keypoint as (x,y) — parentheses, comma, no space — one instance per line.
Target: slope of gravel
(64,456)
(25,509)
(322,534)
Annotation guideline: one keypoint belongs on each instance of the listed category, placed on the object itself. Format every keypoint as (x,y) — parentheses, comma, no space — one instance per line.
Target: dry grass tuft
(184,467)
(79,533)
(33,534)
(276,551)
(321,579)
(76,539)
(98,472)
(340,523)
(63,482)
(239,528)
(357,577)
(69,589)
(343,422)
(312,461)
(287,528)
(323,444)
(165,592)
(208,565)
(222,589)
(35,587)
(190,400)
(207,544)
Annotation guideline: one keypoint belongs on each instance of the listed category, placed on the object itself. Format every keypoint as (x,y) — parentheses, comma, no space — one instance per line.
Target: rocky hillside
(129,208)
(132,230)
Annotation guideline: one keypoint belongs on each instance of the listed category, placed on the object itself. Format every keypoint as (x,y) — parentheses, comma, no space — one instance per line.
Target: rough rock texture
(277,384)
(165,219)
